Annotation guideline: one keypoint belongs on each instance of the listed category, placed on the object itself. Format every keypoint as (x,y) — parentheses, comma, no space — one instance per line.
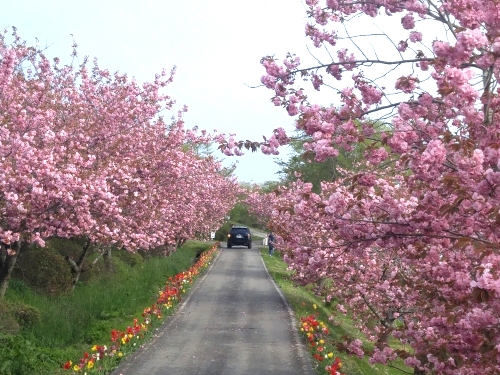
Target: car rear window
(239,230)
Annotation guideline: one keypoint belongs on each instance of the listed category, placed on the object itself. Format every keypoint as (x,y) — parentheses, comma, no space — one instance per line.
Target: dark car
(239,236)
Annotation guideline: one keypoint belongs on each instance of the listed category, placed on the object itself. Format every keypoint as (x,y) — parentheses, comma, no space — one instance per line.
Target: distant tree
(303,165)
(267,187)
(240,214)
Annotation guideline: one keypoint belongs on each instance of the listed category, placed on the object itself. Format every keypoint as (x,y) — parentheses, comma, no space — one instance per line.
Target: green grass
(70,324)
(257,239)
(302,299)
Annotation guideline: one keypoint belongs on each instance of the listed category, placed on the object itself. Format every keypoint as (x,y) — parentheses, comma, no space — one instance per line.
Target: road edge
(307,364)
(161,330)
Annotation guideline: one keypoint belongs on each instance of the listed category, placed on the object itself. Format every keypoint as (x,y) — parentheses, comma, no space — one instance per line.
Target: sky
(216,46)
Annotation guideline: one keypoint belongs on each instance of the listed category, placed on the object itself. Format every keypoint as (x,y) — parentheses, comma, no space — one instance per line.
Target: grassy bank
(70,324)
(304,303)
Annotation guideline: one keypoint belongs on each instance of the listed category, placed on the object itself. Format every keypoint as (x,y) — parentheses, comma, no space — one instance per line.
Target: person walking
(270,243)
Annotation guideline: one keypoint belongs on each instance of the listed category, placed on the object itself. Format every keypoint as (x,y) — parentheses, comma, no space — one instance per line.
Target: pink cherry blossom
(411,233)
(87,153)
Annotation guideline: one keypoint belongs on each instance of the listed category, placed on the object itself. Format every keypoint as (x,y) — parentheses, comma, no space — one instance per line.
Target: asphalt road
(234,321)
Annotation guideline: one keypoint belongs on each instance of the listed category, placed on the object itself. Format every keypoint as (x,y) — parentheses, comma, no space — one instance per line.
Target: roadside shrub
(221,233)
(71,247)
(45,270)
(25,315)
(8,322)
(17,315)
(128,257)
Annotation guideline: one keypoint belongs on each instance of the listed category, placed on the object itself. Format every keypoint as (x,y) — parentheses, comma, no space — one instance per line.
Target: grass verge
(69,325)
(304,303)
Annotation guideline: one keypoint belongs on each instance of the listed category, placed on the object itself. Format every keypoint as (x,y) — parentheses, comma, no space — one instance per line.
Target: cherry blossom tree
(87,153)
(411,240)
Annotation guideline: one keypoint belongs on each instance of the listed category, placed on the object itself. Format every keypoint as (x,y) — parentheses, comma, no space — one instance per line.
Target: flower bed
(101,359)
(316,333)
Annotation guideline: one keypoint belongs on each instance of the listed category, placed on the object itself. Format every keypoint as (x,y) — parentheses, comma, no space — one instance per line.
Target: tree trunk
(9,259)
(108,260)
(385,334)
(77,267)
(169,250)
(180,242)
(383,338)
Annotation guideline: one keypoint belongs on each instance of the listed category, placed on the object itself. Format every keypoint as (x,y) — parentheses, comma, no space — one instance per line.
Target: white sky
(216,46)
